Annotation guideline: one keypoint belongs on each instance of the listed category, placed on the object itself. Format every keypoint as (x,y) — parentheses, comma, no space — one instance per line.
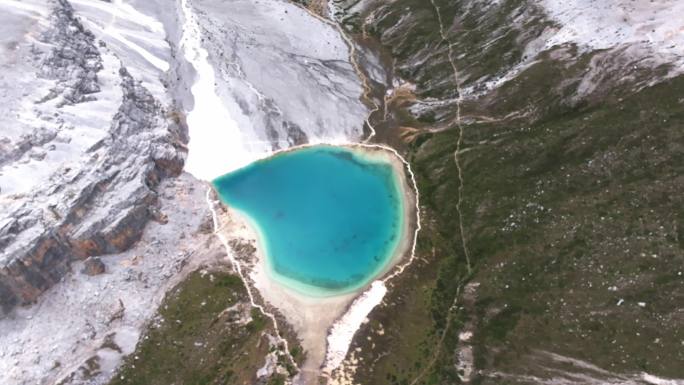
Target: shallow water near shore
(329,218)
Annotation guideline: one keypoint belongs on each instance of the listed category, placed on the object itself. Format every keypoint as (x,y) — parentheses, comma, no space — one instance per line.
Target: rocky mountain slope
(97,119)
(85,148)
(94,103)
(545,136)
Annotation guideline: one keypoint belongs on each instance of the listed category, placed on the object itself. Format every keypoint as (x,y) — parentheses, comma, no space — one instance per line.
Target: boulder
(93,266)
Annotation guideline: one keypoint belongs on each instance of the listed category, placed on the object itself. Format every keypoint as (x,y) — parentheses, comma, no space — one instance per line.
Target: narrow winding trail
(457,160)
(343,331)
(354,60)
(459,124)
(208,106)
(238,268)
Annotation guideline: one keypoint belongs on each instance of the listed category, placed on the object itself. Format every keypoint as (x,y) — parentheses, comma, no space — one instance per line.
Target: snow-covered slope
(95,94)
(270,76)
(98,102)
(654,26)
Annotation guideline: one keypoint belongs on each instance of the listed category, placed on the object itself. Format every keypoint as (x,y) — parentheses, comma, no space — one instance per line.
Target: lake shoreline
(312,317)
(369,156)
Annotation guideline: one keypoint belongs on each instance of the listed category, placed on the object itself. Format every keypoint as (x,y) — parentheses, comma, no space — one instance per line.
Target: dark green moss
(569,206)
(193,341)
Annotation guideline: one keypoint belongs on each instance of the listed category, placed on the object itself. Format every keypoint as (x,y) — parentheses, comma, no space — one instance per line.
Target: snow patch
(594,24)
(342,332)
(138,40)
(216,144)
(651,379)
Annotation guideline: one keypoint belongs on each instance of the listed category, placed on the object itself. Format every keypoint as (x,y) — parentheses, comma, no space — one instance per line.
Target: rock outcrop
(93,266)
(74,62)
(100,202)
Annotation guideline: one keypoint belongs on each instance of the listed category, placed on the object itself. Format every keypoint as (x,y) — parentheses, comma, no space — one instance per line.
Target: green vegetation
(570,205)
(572,212)
(205,333)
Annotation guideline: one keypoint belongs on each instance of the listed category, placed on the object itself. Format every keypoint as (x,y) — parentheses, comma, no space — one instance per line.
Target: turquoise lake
(329,218)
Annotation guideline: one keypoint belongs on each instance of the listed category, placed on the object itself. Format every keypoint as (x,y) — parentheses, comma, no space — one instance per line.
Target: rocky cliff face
(95,97)
(93,103)
(97,198)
